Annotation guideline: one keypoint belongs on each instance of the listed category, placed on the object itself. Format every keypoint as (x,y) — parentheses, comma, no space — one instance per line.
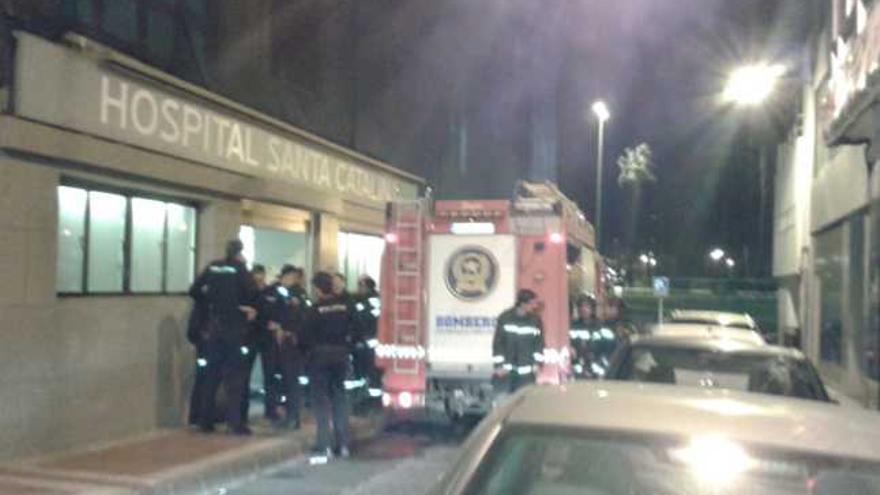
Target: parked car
(720,363)
(627,438)
(706,331)
(720,318)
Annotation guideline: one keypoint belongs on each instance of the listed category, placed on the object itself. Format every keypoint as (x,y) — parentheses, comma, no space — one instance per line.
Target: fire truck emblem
(471,273)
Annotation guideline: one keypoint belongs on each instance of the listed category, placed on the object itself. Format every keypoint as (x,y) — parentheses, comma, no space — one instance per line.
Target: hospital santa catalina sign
(57,85)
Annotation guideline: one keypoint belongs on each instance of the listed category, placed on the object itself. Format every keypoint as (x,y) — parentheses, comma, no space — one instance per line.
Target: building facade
(120,180)
(826,247)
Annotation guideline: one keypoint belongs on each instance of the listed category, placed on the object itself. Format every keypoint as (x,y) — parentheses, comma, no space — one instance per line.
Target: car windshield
(754,372)
(535,460)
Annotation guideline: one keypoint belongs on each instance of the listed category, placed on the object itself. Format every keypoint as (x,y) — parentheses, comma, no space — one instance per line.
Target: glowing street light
(716,254)
(750,85)
(730,263)
(648,259)
(601,110)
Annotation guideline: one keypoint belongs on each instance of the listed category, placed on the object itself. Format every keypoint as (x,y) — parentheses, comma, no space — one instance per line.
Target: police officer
(367,309)
(518,343)
(259,343)
(581,336)
(286,319)
(227,289)
(327,339)
(258,271)
(340,287)
(196,330)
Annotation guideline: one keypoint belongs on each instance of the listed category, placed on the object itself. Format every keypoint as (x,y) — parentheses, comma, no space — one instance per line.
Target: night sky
(474,94)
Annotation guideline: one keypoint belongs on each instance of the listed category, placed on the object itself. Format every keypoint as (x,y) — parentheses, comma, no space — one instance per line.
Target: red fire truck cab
(451,267)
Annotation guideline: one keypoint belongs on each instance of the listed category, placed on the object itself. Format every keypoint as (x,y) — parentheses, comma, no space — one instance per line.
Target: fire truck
(451,267)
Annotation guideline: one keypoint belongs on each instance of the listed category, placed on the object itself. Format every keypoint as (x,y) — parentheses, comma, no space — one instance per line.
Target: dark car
(718,363)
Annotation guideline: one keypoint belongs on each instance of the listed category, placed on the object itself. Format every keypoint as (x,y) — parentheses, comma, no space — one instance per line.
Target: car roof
(699,330)
(716,344)
(808,427)
(720,317)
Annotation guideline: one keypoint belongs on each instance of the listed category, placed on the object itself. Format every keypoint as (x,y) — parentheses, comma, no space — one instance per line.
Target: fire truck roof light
(556,238)
(465,228)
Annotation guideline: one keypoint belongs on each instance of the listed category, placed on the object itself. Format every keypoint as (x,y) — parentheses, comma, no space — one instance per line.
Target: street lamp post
(750,86)
(600,109)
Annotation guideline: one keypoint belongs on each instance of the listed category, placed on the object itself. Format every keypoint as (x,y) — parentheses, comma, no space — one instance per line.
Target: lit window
(115,243)
(106,242)
(71,238)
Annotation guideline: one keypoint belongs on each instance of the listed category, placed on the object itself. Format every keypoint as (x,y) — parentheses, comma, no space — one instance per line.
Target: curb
(205,475)
(216,472)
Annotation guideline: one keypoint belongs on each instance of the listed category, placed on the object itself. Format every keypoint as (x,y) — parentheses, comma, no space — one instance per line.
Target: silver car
(601,438)
(717,362)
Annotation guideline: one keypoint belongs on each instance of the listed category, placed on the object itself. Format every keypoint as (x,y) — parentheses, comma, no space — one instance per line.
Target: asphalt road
(400,462)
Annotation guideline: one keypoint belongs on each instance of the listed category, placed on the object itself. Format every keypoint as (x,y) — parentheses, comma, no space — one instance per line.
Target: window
(106,242)
(359,255)
(147,244)
(274,248)
(71,238)
(829,274)
(115,243)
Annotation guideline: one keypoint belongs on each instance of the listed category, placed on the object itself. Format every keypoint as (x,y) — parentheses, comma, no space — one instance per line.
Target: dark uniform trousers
(227,365)
(290,365)
(196,398)
(266,349)
(329,402)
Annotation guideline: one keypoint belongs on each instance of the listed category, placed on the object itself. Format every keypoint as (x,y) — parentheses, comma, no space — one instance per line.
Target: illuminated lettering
(170,114)
(108,102)
(139,111)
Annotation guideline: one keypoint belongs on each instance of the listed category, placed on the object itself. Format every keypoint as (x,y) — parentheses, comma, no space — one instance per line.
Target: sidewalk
(165,462)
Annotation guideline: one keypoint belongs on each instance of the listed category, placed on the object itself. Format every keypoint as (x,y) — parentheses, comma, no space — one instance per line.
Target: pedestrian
(616,320)
(327,340)
(583,327)
(285,325)
(367,309)
(196,334)
(518,343)
(258,271)
(340,287)
(228,291)
(259,344)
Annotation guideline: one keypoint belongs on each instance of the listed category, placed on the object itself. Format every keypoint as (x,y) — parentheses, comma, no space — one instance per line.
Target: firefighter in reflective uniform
(283,325)
(327,336)
(227,290)
(518,343)
(583,328)
(367,307)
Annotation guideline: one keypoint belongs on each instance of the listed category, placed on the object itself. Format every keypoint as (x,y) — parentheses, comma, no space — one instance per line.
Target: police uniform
(291,360)
(327,335)
(223,287)
(517,348)
(260,343)
(195,334)
(367,308)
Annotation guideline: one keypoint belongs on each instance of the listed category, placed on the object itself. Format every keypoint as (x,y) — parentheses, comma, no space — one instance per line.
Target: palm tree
(636,169)
(635,166)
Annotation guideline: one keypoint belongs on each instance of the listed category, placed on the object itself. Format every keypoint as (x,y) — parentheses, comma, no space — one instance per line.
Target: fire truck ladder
(407,219)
